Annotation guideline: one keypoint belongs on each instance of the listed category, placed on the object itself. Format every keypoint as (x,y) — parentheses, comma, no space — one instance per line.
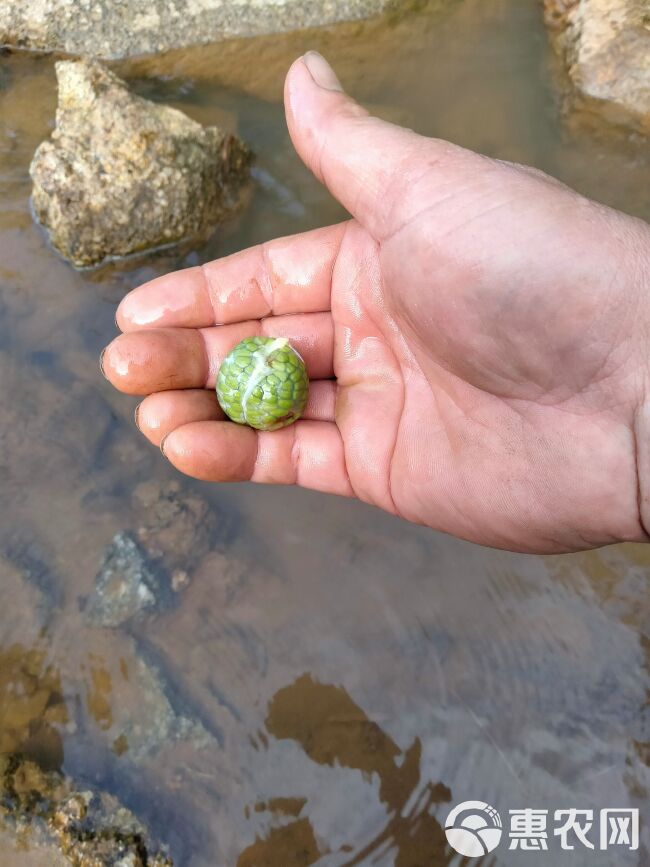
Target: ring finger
(163,412)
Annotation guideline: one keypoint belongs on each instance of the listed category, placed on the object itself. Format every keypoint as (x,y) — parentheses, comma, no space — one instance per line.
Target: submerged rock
(47,814)
(121,174)
(143,571)
(130,28)
(178,526)
(136,705)
(125,585)
(32,705)
(605,45)
(155,716)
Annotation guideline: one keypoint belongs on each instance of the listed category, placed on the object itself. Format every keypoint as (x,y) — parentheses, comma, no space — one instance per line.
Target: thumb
(365,162)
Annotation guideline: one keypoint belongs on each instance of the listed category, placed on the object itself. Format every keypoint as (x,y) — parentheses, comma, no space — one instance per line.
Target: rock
(48,814)
(154,717)
(126,585)
(32,706)
(111,30)
(137,707)
(121,174)
(178,526)
(143,573)
(605,45)
(127,702)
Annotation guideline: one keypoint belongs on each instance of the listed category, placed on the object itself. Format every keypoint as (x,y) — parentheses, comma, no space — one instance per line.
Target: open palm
(473,336)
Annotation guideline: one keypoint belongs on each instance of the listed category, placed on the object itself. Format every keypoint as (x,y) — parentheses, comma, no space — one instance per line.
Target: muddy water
(326,681)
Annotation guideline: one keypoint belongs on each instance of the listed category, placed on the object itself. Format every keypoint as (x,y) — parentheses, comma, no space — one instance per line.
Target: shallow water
(332,680)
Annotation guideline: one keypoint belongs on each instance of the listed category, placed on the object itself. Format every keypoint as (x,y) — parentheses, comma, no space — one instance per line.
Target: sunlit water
(350,676)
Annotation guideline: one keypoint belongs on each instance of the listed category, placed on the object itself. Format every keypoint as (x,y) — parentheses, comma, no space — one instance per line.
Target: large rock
(121,174)
(606,48)
(127,28)
(59,824)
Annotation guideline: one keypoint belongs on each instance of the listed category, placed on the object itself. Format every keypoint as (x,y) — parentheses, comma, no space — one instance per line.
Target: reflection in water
(31,706)
(334,731)
(98,698)
(293,844)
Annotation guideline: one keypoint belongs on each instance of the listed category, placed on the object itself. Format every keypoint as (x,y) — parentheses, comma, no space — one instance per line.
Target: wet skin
(476,336)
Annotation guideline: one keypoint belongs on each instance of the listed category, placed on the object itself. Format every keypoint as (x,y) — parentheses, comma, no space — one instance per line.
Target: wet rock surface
(32,707)
(605,45)
(114,30)
(136,706)
(121,174)
(50,816)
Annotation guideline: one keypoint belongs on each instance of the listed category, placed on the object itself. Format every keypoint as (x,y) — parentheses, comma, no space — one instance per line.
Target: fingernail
(101,363)
(162,444)
(136,417)
(321,71)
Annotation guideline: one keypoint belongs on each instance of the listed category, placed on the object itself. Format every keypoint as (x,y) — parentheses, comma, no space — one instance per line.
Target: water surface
(331,680)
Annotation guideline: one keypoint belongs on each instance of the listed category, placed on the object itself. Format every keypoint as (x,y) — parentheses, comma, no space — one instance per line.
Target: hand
(476,338)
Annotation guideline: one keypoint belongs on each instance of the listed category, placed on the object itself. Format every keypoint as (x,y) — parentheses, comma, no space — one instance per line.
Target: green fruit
(263,383)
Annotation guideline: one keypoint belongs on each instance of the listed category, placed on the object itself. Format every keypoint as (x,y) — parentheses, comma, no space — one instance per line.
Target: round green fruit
(263,383)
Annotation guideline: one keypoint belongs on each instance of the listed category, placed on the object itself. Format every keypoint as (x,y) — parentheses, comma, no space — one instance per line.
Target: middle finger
(158,359)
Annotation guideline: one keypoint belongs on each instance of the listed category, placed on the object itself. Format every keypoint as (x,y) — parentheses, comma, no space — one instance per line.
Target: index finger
(288,275)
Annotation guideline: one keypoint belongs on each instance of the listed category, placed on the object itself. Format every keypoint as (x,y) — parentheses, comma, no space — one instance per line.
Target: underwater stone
(177,526)
(47,815)
(126,585)
(150,715)
(32,706)
(121,174)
